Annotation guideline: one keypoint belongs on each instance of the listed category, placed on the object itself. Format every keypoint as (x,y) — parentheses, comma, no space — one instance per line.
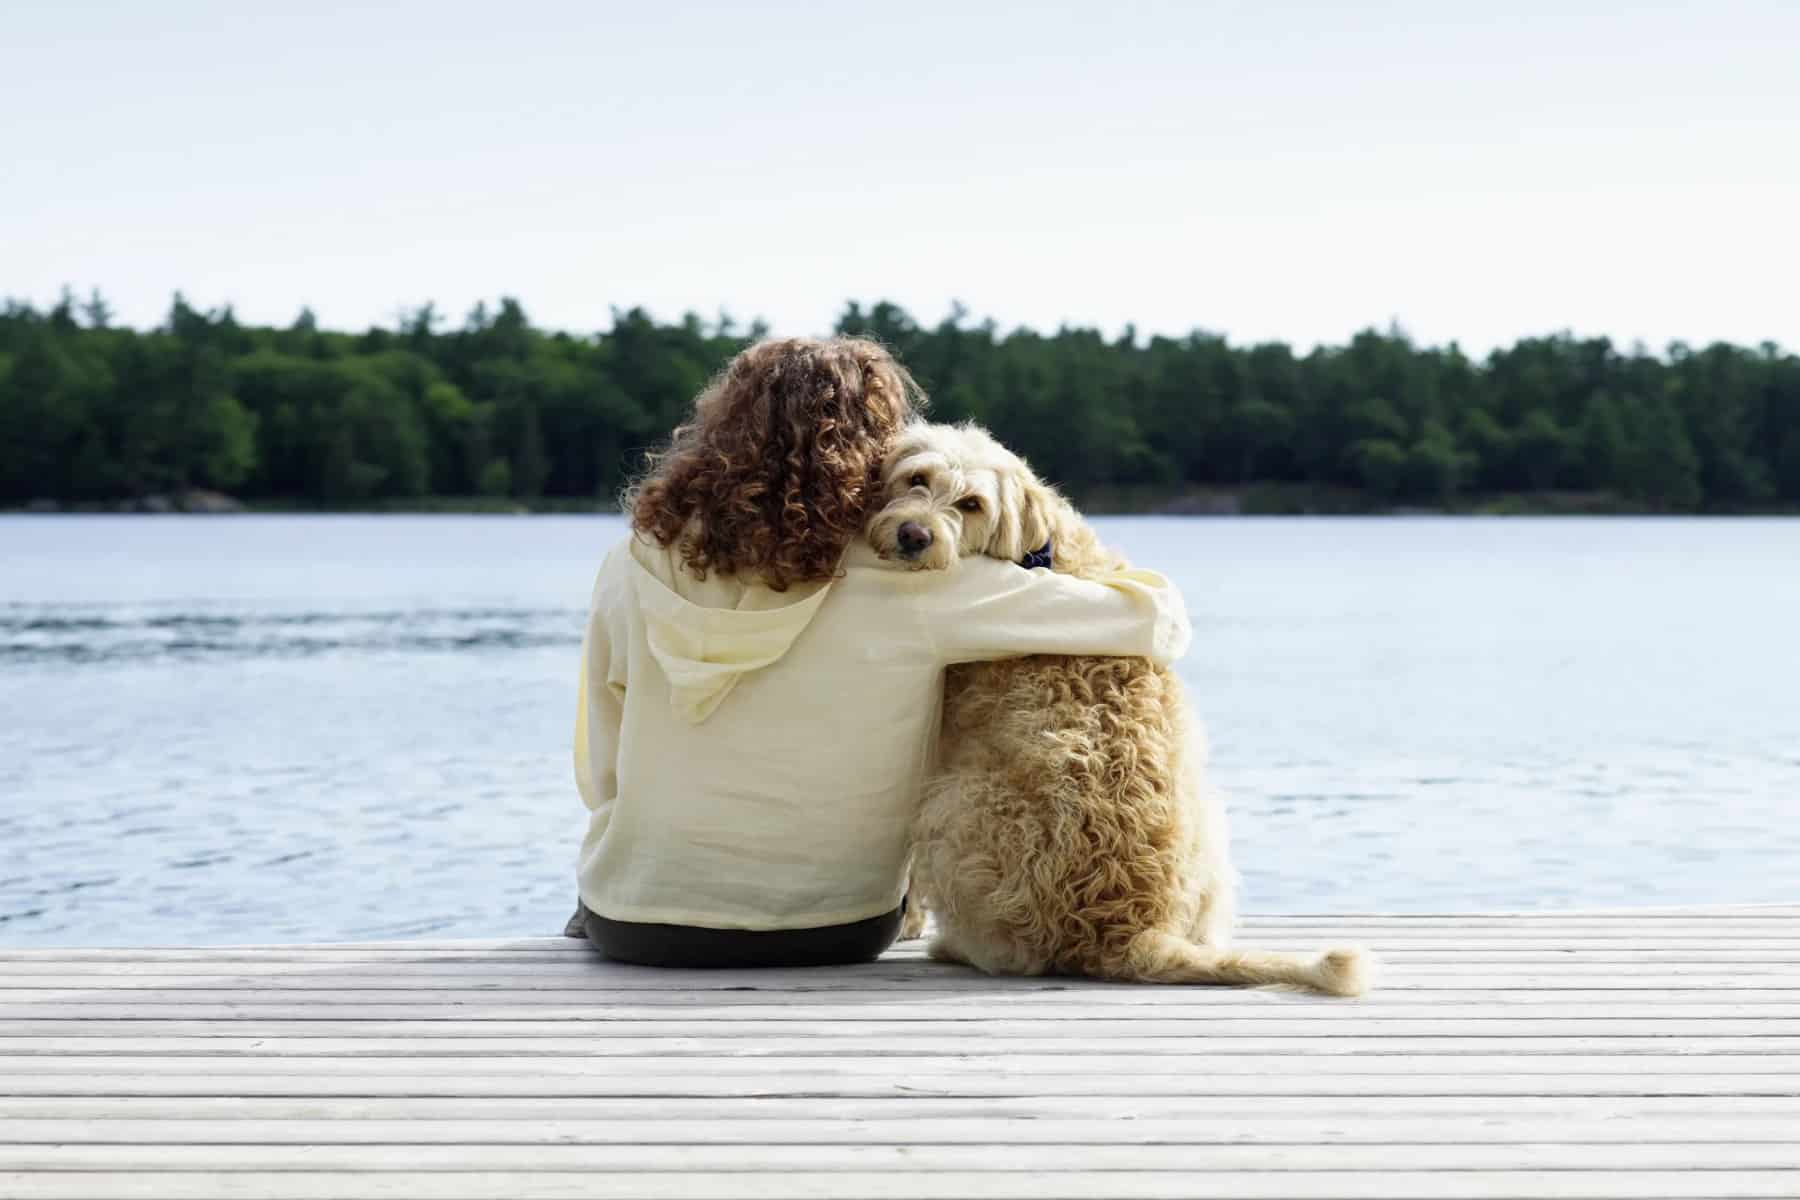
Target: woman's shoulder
(625,557)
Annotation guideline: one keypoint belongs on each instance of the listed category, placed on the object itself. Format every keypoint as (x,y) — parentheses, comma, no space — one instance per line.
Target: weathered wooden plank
(1775,938)
(1167,1001)
(994,1081)
(827,1108)
(900,1185)
(1576,974)
(470,1071)
(1632,914)
(960,990)
(1770,936)
(1218,1129)
(1667,938)
(988,1159)
(1547,952)
(1277,1023)
(924,1042)
(1651,917)
(1769,929)
(890,1004)
(1197,1004)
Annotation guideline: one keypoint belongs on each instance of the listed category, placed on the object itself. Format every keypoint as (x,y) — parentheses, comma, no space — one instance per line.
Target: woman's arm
(986,609)
(599,710)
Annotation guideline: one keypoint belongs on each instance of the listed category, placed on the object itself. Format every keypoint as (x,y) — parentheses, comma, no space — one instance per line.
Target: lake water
(293,728)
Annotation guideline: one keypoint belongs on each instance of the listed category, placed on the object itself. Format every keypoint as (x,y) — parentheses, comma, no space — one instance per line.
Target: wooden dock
(1630,1055)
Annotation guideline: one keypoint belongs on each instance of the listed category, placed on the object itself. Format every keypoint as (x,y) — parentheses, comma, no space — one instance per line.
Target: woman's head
(775,469)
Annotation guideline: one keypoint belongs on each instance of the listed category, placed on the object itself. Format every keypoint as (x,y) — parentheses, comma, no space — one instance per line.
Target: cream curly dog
(1069,829)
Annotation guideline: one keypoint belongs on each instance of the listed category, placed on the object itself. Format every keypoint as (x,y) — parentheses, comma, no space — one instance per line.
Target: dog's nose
(913,537)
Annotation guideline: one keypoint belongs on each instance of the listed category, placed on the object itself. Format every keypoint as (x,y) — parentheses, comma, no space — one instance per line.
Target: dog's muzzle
(912,538)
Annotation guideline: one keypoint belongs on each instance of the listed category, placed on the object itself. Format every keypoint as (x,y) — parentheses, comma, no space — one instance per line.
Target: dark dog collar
(1037,558)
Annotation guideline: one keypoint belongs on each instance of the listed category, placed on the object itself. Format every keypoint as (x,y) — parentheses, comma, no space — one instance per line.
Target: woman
(760,692)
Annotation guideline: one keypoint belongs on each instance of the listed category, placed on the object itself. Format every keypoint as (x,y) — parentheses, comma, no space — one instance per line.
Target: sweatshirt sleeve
(599,711)
(989,609)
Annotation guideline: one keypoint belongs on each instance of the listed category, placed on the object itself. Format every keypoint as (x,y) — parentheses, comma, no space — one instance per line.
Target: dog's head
(951,491)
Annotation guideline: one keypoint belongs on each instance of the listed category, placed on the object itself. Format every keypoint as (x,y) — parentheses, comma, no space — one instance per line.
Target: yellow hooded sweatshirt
(752,759)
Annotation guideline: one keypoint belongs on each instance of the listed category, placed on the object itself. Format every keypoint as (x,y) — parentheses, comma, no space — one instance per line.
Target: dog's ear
(1037,520)
(1027,517)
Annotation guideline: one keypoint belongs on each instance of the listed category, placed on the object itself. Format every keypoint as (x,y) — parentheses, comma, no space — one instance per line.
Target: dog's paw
(912,925)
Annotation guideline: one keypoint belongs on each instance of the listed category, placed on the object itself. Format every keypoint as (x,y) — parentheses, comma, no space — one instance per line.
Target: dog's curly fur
(1069,829)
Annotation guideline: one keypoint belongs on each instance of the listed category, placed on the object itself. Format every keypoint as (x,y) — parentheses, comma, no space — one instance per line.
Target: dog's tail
(1157,957)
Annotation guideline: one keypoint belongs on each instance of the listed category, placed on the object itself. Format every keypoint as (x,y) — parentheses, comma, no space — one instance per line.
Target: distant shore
(1252,500)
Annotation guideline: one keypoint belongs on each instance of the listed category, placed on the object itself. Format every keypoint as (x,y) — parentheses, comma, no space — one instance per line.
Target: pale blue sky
(1272,170)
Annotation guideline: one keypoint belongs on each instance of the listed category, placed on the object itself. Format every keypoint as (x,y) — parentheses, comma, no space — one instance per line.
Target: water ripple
(29,636)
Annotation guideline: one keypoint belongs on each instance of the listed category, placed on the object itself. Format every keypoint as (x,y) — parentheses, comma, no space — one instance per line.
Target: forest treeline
(92,412)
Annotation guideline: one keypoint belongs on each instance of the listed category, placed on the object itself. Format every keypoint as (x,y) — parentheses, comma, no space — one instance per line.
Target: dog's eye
(917,480)
(969,504)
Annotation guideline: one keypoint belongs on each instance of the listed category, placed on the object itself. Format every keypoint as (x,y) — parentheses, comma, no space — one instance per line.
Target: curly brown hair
(775,470)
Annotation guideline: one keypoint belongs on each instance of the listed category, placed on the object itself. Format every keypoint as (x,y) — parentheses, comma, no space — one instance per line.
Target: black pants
(694,946)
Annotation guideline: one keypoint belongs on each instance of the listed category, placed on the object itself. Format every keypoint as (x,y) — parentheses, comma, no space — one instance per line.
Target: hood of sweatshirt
(702,650)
